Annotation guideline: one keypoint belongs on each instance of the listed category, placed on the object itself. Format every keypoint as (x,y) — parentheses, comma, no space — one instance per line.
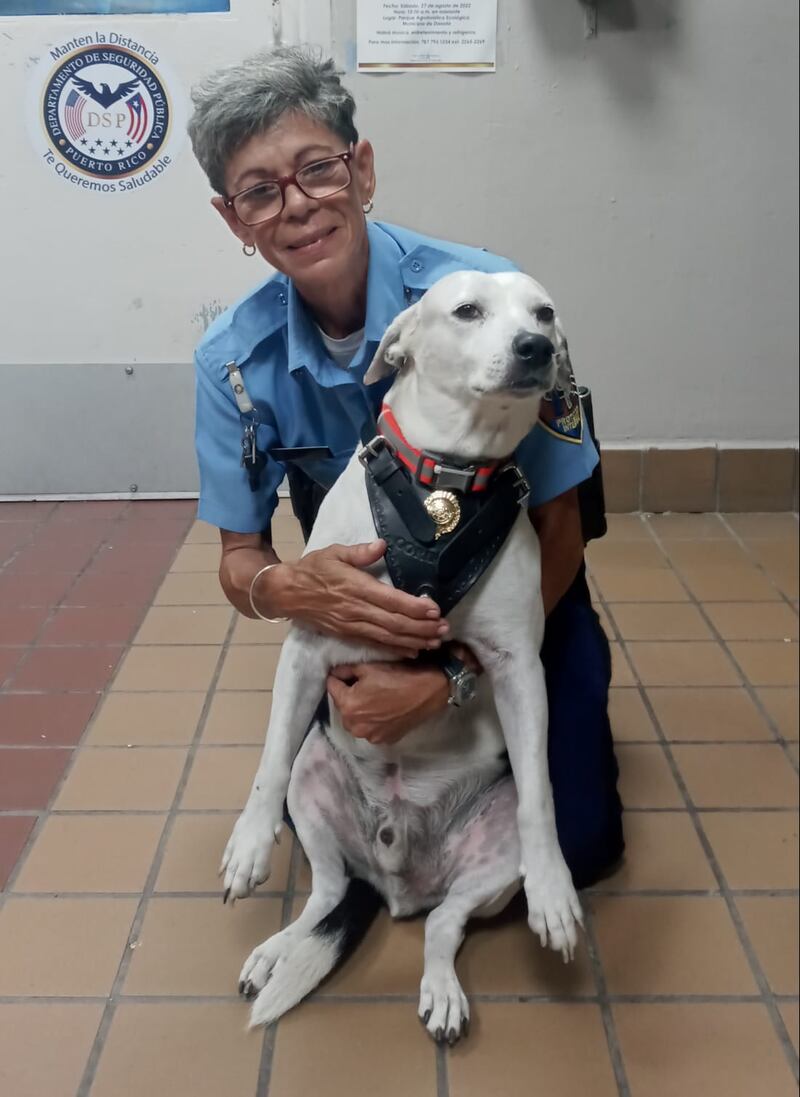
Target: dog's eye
(545,314)
(467,312)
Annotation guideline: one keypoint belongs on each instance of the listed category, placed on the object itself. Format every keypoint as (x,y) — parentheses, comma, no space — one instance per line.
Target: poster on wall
(434,35)
(105,117)
(110,7)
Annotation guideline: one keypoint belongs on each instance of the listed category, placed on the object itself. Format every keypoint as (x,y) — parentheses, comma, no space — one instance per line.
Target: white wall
(648,177)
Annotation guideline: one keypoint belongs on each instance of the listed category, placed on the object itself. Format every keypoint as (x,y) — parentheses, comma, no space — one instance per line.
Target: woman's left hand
(382,702)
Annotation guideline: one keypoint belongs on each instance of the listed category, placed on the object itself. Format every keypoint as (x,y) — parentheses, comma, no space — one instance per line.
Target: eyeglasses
(265,200)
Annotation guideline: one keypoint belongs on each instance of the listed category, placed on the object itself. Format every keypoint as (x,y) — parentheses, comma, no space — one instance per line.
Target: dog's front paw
(554,910)
(443,1006)
(247,856)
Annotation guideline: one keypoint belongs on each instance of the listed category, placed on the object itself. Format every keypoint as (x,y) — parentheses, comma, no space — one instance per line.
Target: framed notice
(109,7)
(395,35)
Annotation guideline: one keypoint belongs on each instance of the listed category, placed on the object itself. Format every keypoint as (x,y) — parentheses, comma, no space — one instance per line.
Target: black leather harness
(419,562)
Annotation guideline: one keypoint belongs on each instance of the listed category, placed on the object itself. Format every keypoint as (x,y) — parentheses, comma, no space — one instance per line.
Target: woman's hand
(329,591)
(382,702)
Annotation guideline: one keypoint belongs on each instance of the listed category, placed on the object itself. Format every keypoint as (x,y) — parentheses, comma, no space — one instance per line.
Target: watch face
(466,684)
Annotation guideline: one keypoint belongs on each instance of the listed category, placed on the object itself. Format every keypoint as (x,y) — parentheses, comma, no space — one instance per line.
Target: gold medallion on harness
(445,509)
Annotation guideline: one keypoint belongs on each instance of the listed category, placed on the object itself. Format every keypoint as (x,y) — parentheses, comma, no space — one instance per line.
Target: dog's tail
(328,944)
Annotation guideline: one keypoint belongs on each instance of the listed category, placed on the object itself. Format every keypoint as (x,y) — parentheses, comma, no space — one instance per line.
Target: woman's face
(313,240)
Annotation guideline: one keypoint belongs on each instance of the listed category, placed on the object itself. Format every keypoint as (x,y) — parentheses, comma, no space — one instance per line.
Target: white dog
(434,823)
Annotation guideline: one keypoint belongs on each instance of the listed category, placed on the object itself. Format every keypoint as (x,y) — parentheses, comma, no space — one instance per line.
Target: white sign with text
(427,34)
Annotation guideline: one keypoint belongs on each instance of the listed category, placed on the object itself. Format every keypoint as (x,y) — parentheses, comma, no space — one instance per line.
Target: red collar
(429,469)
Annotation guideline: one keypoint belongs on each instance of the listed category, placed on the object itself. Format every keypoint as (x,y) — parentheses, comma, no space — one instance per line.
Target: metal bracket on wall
(590,18)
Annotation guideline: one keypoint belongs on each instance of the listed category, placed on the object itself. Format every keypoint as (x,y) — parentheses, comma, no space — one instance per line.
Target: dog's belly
(411,842)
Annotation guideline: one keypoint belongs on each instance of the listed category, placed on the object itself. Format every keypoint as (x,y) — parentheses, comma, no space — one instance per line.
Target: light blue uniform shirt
(303,399)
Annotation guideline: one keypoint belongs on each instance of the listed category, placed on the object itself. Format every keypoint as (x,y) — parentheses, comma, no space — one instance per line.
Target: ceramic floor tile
(682,664)
(791,1018)
(638,553)
(645,778)
(350,1043)
(621,673)
(767,663)
(238,717)
(502,956)
(67,668)
(91,853)
(191,1049)
(62,947)
(727,582)
(515,1050)
(221,778)
(703,714)
(753,620)
(14,833)
(34,590)
(773,926)
(190,589)
(662,853)
(146,719)
(151,558)
(115,779)
(707,554)
(106,589)
(247,631)
(687,527)
(44,719)
(698,951)
(388,960)
(783,707)
(28,778)
(759,527)
(198,557)
(714,1049)
(91,625)
(20,626)
(757,850)
(70,1031)
(194,850)
(10,660)
(640,585)
(737,775)
(629,717)
(248,667)
(201,533)
(173,956)
(185,625)
(167,668)
(660,621)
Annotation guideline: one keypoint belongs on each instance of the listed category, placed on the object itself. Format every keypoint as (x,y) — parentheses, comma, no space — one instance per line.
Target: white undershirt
(342,351)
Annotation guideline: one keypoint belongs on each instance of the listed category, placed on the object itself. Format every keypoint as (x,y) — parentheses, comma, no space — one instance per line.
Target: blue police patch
(106,111)
(560,414)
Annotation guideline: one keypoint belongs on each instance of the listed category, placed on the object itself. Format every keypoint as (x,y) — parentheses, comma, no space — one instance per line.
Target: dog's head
(480,337)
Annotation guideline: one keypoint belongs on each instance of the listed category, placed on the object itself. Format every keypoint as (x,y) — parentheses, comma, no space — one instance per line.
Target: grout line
(609,1027)
(442,1077)
(147,892)
(271,1033)
(767,996)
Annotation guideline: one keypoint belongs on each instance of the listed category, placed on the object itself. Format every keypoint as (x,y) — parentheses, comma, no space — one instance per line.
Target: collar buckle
(449,477)
(373,449)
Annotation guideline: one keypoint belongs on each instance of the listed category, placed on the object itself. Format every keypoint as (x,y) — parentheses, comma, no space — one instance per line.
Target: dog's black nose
(534,349)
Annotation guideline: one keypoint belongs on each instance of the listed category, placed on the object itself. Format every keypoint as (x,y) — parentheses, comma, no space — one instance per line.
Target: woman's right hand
(329,591)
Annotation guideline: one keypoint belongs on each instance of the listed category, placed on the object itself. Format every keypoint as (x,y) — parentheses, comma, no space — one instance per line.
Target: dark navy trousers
(580,749)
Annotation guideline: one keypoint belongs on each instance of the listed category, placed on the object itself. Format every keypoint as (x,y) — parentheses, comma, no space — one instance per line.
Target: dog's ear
(394,350)
(564,375)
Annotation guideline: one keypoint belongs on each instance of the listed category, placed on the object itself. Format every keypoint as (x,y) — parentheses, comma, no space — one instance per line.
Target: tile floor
(132,706)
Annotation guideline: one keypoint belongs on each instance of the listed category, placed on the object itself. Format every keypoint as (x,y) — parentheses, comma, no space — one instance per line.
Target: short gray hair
(236,103)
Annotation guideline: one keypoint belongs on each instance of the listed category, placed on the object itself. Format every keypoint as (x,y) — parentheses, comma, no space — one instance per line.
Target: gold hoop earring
(368,206)
(249,249)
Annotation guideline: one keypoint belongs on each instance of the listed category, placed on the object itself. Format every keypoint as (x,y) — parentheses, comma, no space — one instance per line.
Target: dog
(435,823)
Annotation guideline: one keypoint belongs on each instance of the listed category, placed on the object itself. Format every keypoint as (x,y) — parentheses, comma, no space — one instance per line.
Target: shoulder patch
(560,413)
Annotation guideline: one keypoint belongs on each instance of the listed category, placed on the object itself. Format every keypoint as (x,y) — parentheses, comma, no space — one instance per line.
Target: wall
(647,176)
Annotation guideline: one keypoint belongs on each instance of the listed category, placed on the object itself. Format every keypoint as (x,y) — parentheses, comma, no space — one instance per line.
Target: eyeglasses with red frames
(265,201)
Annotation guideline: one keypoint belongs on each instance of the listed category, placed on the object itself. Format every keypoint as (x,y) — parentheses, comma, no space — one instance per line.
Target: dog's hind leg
(288,966)
(298,688)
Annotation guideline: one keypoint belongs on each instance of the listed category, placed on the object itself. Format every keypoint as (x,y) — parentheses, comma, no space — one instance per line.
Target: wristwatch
(463,681)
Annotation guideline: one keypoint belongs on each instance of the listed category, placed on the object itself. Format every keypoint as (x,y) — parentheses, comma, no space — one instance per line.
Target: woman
(279,390)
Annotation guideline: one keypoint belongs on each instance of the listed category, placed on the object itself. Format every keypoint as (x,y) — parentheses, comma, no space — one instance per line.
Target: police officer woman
(279,391)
